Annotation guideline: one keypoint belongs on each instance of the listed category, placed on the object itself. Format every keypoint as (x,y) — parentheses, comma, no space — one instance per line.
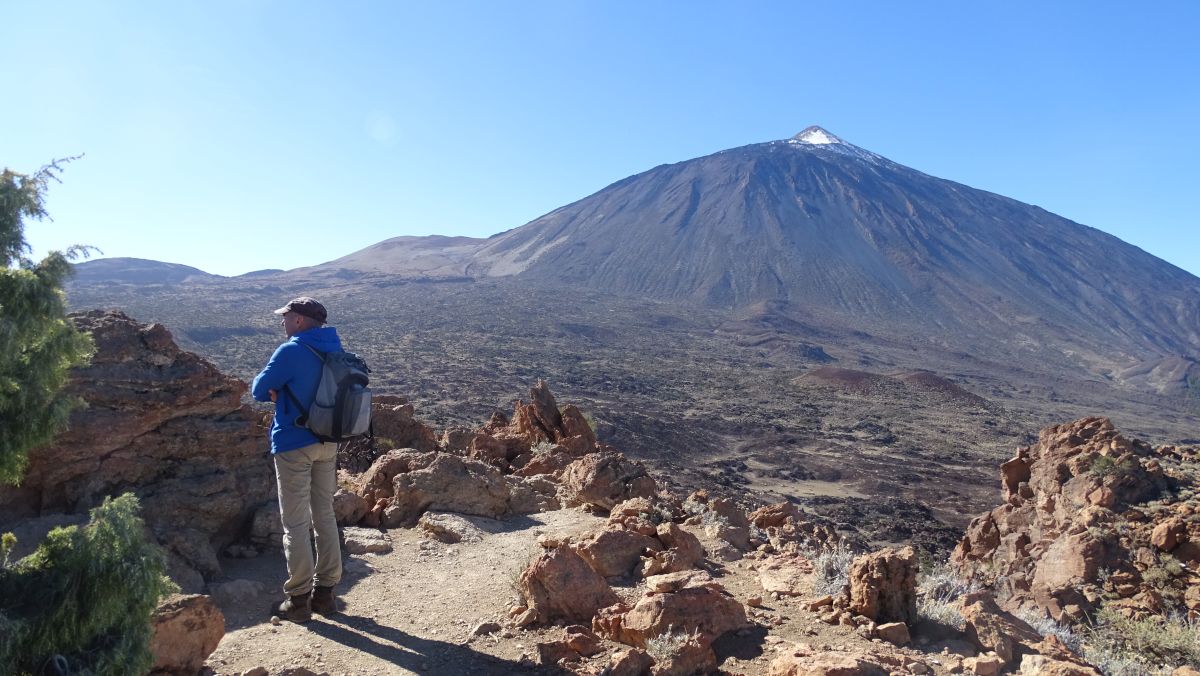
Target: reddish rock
(1013,473)
(683,551)
(993,629)
(784,574)
(605,479)
(1168,534)
(552,461)
(448,483)
(787,527)
(684,655)
(805,662)
(985,665)
(529,495)
(615,551)
(559,584)
(550,653)
(167,425)
(708,611)
(895,633)
(669,582)
(1057,528)
(883,585)
(633,662)
(349,508)
(583,640)
(186,630)
(774,516)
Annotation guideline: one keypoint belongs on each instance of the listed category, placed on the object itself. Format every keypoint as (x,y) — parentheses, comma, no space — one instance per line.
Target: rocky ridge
(1092,518)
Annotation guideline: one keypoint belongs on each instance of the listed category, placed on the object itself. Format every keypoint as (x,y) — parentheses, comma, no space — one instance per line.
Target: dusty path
(410,611)
(413,611)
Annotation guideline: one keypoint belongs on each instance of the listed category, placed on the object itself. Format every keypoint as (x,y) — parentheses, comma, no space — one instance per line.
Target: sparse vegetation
(1046,626)
(1121,646)
(939,588)
(664,647)
(831,568)
(1105,465)
(83,600)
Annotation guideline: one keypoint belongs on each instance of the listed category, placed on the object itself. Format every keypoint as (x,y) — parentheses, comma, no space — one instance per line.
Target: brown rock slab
(349,508)
(605,479)
(1167,535)
(616,551)
(708,611)
(366,541)
(992,629)
(448,528)
(447,483)
(186,630)
(805,663)
(559,584)
(683,551)
(633,662)
(164,423)
(895,633)
(669,582)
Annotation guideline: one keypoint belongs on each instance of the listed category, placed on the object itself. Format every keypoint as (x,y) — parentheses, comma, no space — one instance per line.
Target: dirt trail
(413,610)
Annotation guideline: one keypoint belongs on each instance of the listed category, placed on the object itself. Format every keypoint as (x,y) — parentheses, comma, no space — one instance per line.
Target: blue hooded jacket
(295,366)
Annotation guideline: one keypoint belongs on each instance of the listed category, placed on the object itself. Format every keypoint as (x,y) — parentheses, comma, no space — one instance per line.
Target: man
(304,467)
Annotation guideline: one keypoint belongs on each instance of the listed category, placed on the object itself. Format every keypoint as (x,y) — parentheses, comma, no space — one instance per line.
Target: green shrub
(84,597)
(38,345)
(1105,465)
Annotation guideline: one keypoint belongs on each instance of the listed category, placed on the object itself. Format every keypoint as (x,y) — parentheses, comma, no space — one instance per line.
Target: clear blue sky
(236,136)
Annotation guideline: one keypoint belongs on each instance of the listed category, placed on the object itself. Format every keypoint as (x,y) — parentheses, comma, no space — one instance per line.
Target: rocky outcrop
(560,585)
(447,483)
(1089,514)
(707,610)
(883,585)
(616,551)
(186,630)
(164,424)
(789,529)
(605,479)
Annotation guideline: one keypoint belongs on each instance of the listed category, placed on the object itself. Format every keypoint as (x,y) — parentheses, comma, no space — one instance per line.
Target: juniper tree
(38,345)
(82,602)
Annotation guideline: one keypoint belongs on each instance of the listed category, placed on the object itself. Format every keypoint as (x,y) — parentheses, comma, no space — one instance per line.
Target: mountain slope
(135,271)
(829,226)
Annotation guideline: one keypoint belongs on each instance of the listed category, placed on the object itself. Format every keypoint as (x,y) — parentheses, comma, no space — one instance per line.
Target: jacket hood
(321,339)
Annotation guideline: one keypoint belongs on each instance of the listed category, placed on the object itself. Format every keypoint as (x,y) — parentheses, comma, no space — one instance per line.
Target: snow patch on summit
(815,136)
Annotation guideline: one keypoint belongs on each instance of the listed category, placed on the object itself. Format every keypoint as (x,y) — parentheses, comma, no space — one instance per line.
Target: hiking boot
(323,601)
(294,609)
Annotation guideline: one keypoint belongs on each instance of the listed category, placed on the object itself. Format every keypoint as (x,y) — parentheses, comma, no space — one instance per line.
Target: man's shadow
(416,654)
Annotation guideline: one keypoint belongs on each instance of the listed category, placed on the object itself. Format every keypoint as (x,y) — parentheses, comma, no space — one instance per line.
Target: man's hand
(273,394)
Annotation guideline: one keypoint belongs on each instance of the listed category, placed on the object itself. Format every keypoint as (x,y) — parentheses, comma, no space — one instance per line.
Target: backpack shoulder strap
(303,417)
(320,355)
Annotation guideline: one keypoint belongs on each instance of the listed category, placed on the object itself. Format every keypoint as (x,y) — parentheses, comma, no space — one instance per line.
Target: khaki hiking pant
(307,481)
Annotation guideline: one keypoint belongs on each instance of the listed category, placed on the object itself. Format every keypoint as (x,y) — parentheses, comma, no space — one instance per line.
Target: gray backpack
(341,410)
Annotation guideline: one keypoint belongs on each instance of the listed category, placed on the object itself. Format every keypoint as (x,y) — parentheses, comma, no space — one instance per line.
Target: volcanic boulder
(164,424)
